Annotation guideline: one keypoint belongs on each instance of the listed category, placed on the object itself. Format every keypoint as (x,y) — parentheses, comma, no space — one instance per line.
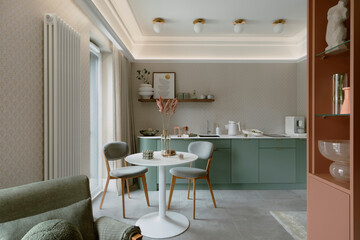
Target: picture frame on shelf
(164,84)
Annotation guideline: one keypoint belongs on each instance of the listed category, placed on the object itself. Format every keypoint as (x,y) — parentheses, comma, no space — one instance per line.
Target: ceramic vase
(145,91)
(165,143)
(345,109)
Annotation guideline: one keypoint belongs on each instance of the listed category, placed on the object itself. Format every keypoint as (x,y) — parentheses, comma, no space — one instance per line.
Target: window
(95,120)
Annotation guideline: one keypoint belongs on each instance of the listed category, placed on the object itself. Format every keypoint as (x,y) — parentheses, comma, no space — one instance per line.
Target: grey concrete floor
(240,214)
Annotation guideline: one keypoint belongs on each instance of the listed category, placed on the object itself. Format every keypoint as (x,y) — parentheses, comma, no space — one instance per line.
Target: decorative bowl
(335,150)
(253,132)
(339,152)
(149,132)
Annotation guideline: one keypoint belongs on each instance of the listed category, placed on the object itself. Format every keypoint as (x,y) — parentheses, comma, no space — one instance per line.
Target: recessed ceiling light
(199,25)
(239,25)
(278,25)
(158,24)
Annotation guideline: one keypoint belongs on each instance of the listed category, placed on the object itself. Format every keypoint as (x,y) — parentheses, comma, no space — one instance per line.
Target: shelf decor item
(339,82)
(164,85)
(339,152)
(336,31)
(166,111)
(345,109)
(145,90)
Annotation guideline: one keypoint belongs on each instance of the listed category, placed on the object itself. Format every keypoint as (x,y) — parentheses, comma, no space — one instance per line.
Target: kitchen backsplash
(259,95)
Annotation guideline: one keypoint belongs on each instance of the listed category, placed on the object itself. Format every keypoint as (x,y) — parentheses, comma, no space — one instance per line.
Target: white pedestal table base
(154,226)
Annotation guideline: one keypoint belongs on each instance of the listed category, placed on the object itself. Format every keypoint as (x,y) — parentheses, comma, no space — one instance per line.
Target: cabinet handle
(278,148)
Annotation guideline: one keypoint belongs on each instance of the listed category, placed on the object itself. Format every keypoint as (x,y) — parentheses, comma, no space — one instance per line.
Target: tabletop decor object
(345,109)
(148,154)
(164,85)
(166,111)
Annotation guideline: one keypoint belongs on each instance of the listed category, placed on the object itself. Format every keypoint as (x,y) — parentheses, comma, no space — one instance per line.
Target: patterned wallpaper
(21,86)
(259,95)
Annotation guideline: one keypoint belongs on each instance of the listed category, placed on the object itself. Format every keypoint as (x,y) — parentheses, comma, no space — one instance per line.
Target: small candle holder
(148,154)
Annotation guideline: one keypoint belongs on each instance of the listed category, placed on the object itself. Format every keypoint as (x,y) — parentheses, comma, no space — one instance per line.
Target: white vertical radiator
(61,99)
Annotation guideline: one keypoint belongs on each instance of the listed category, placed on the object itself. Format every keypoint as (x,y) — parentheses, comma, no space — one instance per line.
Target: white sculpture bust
(336,31)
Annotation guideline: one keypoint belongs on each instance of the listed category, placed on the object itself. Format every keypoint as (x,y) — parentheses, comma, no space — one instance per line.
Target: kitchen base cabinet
(241,163)
(277,165)
(245,161)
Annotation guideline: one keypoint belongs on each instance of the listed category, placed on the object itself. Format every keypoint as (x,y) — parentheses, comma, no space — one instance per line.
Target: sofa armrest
(111,229)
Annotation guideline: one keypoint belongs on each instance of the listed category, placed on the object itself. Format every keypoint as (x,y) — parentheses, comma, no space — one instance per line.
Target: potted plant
(145,89)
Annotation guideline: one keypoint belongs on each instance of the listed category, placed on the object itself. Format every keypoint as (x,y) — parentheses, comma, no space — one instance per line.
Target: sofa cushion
(56,229)
(35,198)
(79,214)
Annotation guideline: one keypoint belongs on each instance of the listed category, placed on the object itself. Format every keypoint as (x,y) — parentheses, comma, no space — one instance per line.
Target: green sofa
(23,207)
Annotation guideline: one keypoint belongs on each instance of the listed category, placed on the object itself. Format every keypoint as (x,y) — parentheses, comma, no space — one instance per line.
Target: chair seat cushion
(187,172)
(128,172)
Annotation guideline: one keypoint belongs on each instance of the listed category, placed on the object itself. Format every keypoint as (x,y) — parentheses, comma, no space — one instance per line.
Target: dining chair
(114,151)
(204,150)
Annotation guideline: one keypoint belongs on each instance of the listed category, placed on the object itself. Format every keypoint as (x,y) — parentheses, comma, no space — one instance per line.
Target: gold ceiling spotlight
(158,24)
(282,21)
(237,21)
(239,25)
(199,20)
(199,25)
(278,25)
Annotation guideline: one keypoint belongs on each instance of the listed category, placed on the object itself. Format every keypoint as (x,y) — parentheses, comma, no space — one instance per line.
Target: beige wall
(21,85)
(259,95)
(302,88)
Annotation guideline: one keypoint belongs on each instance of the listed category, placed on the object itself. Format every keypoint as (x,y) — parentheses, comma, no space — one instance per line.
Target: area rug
(293,222)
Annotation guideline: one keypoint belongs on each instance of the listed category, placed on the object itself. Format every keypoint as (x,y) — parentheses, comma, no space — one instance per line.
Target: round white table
(162,224)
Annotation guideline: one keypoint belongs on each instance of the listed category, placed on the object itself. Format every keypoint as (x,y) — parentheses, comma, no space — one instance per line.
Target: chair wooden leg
(128,188)
(143,178)
(211,191)
(189,189)
(173,180)
(105,189)
(194,190)
(122,196)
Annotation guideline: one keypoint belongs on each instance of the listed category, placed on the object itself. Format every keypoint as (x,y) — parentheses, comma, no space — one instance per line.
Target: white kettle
(233,127)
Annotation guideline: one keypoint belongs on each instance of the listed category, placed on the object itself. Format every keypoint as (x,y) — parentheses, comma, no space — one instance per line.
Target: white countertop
(230,137)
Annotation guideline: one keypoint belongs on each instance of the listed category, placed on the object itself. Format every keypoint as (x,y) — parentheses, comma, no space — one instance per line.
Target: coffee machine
(294,125)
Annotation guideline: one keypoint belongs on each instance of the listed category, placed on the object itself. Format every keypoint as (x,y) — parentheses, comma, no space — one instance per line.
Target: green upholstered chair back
(35,198)
(116,150)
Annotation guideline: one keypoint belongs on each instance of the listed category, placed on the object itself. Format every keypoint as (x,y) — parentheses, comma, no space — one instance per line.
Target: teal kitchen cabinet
(220,167)
(301,160)
(277,161)
(245,161)
(264,163)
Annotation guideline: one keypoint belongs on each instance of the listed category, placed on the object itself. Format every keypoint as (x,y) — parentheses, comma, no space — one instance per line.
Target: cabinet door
(277,165)
(328,212)
(245,161)
(301,161)
(219,168)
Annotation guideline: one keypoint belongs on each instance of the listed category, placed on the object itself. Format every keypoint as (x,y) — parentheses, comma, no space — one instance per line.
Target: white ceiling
(219,15)
(132,22)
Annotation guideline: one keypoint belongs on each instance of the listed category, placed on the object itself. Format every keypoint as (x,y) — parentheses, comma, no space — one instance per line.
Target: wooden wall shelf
(180,100)
(328,179)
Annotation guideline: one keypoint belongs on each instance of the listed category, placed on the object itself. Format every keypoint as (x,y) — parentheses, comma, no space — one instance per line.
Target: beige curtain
(124,117)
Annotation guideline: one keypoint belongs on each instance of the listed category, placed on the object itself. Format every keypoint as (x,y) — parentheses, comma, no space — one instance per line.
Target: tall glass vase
(340,80)
(165,143)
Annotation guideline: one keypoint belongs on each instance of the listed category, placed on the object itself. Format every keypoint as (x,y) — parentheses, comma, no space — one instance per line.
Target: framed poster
(164,85)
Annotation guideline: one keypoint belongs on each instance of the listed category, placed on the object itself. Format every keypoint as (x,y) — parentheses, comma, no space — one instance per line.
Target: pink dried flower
(174,104)
(160,104)
(167,107)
